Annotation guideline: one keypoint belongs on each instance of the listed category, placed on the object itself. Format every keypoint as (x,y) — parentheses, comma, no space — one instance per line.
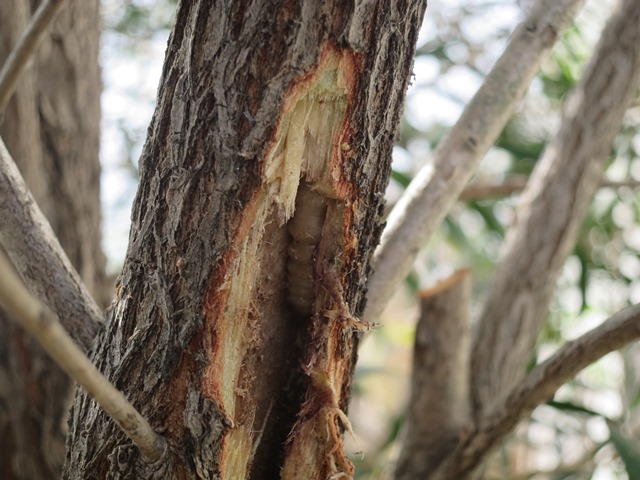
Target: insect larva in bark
(306,230)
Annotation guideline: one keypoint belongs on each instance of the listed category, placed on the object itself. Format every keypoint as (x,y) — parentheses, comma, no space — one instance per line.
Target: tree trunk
(51,127)
(234,327)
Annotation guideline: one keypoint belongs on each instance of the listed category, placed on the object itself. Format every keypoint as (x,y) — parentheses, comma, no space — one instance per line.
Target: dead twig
(488,190)
(25,48)
(43,324)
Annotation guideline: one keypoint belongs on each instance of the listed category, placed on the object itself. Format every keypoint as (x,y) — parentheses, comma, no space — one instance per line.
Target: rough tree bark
(440,404)
(266,110)
(51,127)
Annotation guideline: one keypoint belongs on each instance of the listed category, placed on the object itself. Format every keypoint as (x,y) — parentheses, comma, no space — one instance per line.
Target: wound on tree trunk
(233,331)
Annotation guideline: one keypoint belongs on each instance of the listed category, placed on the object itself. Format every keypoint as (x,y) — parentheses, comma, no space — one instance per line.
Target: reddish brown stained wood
(211,352)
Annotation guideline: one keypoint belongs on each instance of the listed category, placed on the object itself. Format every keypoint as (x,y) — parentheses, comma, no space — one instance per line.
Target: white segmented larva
(305,228)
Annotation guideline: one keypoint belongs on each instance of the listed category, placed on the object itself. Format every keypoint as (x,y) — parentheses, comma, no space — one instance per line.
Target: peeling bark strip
(259,108)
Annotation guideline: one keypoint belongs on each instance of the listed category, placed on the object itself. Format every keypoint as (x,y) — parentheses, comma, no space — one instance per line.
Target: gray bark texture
(551,212)
(435,188)
(439,406)
(51,128)
(232,331)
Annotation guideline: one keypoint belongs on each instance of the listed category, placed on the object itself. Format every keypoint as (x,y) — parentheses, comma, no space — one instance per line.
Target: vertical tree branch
(437,186)
(23,51)
(439,406)
(69,133)
(254,101)
(552,209)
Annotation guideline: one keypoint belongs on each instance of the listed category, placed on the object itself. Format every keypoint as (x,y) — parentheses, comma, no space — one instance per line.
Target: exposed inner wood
(304,164)
(190,337)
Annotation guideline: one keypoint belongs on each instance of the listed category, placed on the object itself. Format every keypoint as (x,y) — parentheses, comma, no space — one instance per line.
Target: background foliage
(589,430)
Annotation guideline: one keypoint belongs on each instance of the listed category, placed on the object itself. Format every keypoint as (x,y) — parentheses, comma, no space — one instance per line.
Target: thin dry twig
(25,48)
(539,385)
(512,185)
(435,188)
(552,210)
(34,249)
(43,324)
(586,461)
(542,382)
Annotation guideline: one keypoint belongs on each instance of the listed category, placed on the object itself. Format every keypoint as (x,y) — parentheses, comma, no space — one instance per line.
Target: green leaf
(583,256)
(403,179)
(485,209)
(413,282)
(572,407)
(628,451)
(394,431)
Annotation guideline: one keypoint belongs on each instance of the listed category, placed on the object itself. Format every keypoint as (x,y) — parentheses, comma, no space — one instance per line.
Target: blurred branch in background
(42,264)
(439,407)
(436,187)
(441,441)
(552,209)
(541,383)
(483,190)
(25,49)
